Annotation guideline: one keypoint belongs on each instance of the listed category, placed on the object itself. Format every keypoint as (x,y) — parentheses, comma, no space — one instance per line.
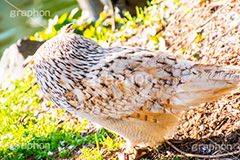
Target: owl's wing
(140,82)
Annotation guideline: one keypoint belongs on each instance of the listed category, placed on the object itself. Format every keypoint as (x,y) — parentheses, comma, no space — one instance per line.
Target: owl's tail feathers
(207,84)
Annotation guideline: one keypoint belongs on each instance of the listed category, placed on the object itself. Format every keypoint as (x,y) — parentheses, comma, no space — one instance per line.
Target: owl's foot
(136,154)
(142,152)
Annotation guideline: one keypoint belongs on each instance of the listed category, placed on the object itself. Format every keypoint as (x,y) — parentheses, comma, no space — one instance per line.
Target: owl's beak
(28,62)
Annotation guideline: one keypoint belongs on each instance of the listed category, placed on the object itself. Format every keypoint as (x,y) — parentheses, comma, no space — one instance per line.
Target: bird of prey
(137,93)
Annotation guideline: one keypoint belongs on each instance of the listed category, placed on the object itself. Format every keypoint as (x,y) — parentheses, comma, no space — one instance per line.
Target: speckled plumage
(137,93)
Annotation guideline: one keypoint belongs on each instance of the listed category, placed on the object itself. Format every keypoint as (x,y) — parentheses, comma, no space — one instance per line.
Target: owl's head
(66,45)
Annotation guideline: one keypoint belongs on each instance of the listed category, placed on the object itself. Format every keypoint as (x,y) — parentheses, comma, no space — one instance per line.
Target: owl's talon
(142,152)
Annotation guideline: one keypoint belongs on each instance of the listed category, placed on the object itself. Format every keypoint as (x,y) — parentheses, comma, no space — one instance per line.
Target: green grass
(25,133)
(100,30)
